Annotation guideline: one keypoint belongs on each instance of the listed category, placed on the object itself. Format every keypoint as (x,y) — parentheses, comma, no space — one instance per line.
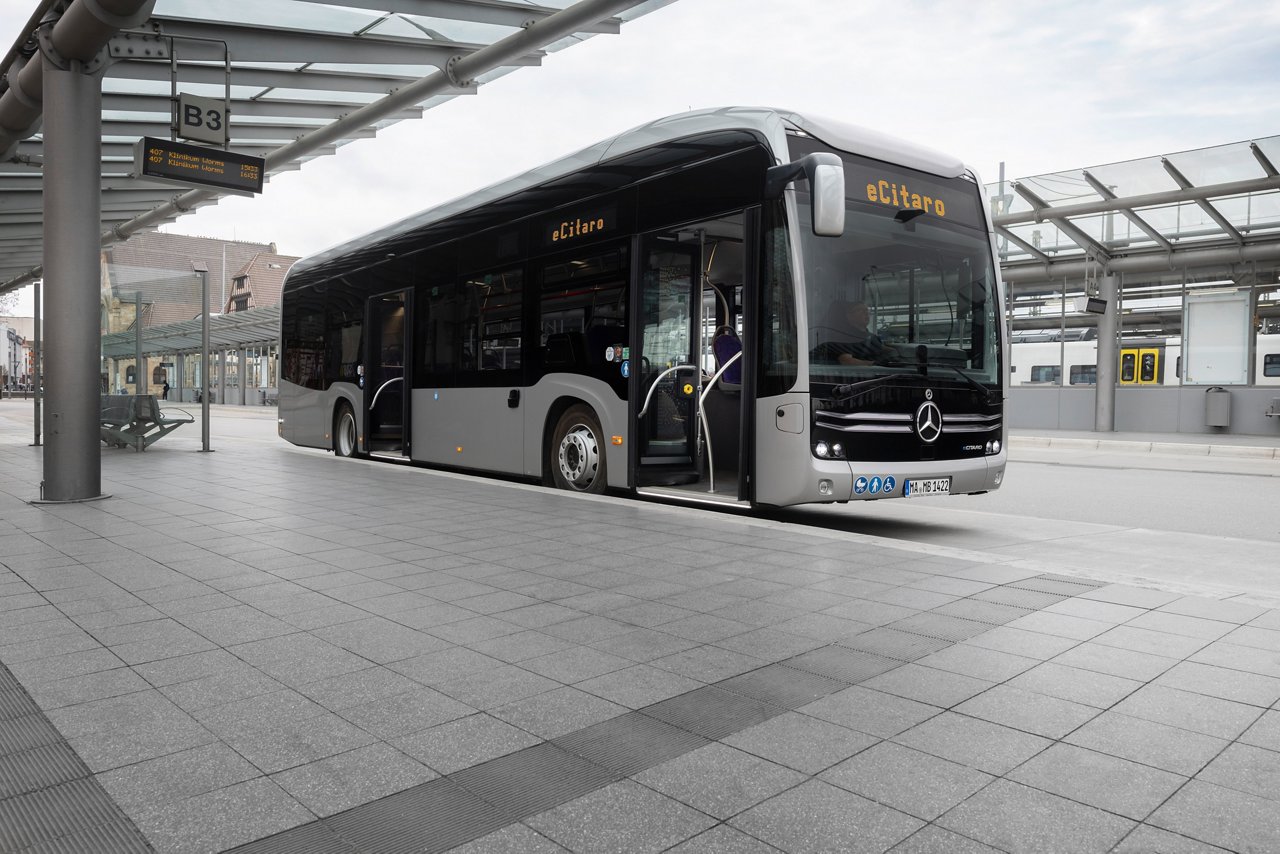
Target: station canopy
(304,78)
(1210,212)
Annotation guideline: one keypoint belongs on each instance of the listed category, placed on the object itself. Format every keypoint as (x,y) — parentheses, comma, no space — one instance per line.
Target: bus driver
(857,345)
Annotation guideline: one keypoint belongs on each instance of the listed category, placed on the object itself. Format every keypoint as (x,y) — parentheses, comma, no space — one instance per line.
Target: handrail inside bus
(702,416)
(374,402)
(649,397)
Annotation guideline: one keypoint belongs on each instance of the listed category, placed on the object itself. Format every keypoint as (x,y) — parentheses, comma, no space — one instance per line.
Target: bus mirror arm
(825,174)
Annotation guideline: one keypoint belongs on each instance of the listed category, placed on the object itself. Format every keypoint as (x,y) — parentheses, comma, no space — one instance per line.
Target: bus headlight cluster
(993,447)
(826,451)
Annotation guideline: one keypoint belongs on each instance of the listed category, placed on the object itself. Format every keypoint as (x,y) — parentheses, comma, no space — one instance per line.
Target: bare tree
(8,302)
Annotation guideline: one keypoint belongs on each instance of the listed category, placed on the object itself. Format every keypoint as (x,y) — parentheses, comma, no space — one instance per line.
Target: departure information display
(166,160)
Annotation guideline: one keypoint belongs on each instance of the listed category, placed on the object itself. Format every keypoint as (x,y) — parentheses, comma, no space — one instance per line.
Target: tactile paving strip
(783,686)
(1063,584)
(991,613)
(713,713)
(630,743)
(313,838)
(848,666)
(435,816)
(941,626)
(49,800)
(892,643)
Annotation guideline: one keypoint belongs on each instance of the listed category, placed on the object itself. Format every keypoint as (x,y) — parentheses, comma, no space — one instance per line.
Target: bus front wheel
(577,452)
(344,432)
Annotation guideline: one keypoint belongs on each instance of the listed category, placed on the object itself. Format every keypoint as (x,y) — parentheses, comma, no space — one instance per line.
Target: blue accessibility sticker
(860,485)
(875,484)
(889,483)
(626,368)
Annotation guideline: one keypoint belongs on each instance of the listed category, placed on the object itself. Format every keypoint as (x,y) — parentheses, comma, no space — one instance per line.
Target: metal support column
(37,365)
(72,204)
(139,378)
(222,376)
(180,369)
(1104,412)
(242,371)
(202,270)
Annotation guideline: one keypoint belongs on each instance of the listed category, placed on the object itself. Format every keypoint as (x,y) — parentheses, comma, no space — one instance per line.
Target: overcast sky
(1042,86)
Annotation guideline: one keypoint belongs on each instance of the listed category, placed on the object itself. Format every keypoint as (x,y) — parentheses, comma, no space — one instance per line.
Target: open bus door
(664,398)
(386,383)
(687,399)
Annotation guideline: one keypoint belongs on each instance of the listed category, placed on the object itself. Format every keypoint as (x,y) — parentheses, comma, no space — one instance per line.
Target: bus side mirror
(825,173)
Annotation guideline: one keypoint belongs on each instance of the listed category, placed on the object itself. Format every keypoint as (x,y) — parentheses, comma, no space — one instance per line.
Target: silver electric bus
(740,306)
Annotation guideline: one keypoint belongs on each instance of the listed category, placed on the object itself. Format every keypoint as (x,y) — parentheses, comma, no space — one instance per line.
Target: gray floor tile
(1246,658)
(349,779)
(1185,710)
(1125,594)
(873,712)
(557,712)
(934,840)
(1151,642)
(513,839)
(708,663)
(401,714)
(978,744)
(802,742)
(723,839)
(1180,624)
(1097,779)
(927,685)
(1222,682)
(1214,609)
(278,746)
(623,817)
(719,780)
(1021,642)
(1146,839)
(1264,733)
(1079,686)
(1127,664)
(1246,769)
(1150,743)
(817,816)
(638,686)
(1018,818)
(465,742)
(916,783)
(1060,625)
(1229,819)
(1092,609)
(223,818)
(176,776)
(1028,711)
(989,664)
(1255,636)
(361,686)
(575,664)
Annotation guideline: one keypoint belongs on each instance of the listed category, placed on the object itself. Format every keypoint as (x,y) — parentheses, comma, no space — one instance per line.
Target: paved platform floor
(270,650)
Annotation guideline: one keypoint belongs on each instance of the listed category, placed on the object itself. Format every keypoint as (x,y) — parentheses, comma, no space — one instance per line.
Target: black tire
(576,455)
(345,433)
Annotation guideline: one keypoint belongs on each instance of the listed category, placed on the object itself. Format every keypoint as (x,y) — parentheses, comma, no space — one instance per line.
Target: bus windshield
(909,288)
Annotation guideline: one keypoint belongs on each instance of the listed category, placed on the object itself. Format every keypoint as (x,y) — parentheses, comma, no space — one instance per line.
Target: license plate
(921,488)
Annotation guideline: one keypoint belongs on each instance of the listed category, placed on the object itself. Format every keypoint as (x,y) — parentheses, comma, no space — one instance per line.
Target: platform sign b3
(202,119)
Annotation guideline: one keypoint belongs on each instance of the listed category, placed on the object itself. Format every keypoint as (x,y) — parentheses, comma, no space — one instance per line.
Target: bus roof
(770,124)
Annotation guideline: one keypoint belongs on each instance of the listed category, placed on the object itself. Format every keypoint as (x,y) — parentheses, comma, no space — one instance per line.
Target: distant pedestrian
(164,391)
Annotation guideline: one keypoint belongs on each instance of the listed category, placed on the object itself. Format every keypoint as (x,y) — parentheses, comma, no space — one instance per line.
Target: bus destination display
(166,160)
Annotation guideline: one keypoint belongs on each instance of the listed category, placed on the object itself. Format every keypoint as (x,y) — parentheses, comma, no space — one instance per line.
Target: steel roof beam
(379,83)
(1147,200)
(242,107)
(1029,247)
(502,14)
(281,44)
(1066,226)
(1263,160)
(1106,193)
(1204,204)
(1149,262)
(240,131)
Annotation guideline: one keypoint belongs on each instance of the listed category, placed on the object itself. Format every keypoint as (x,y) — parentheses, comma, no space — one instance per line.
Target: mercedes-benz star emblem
(928,422)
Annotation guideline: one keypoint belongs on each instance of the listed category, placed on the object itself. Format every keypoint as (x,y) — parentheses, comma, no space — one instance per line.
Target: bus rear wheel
(344,431)
(577,452)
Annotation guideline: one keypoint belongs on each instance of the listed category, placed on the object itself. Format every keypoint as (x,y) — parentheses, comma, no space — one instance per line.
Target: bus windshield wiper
(984,390)
(844,392)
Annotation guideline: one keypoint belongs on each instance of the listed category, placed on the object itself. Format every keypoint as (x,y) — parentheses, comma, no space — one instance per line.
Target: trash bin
(1217,407)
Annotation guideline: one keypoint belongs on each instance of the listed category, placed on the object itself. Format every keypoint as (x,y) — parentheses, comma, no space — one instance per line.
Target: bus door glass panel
(670,378)
(1128,367)
(385,394)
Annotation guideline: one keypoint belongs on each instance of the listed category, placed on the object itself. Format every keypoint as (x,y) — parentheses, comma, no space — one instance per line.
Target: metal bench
(136,420)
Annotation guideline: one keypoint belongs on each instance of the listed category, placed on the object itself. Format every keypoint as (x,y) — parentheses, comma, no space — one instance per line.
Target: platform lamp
(202,270)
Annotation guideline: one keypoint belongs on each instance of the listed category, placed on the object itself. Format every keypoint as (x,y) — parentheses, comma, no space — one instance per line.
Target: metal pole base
(69,500)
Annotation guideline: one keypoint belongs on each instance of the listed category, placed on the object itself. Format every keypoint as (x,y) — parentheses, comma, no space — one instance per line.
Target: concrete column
(1104,411)
(72,202)
(180,365)
(222,376)
(243,370)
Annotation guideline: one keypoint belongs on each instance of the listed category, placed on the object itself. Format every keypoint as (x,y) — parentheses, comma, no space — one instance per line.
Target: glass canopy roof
(299,67)
(1228,195)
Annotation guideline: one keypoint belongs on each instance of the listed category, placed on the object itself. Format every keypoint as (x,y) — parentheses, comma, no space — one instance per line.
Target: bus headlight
(822,450)
(837,451)
(995,446)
